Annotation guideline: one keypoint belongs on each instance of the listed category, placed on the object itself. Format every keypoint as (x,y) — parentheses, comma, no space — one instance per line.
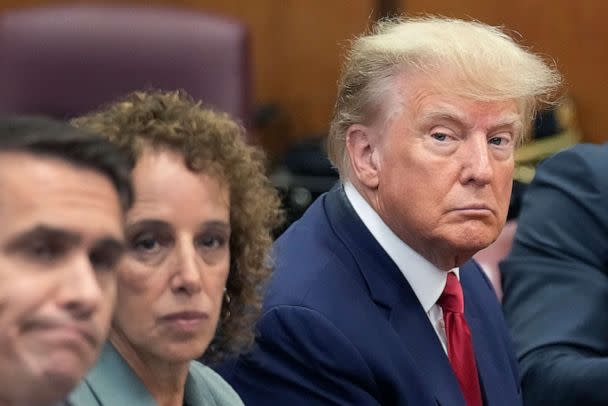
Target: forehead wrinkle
(449,104)
(436,109)
(448,112)
(510,120)
(453,117)
(417,94)
(151,204)
(179,210)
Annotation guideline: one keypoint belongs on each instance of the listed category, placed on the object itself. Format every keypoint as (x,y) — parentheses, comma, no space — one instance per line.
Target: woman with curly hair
(198,236)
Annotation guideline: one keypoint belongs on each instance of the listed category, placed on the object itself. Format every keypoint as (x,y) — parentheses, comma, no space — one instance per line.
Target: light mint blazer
(112,382)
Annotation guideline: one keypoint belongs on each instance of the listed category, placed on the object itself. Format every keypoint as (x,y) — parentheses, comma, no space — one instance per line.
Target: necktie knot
(451,300)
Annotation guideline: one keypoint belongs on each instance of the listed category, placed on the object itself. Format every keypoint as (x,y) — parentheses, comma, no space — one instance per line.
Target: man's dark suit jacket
(555,281)
(341,326)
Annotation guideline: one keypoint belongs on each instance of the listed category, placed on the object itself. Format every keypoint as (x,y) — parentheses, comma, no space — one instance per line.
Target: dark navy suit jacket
(341,326)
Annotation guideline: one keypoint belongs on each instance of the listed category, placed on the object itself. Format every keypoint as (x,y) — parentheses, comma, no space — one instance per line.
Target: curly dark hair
(213,143)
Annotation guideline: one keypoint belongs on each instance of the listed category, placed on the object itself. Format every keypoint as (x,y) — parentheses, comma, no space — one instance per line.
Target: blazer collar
(378,269)
(114,383)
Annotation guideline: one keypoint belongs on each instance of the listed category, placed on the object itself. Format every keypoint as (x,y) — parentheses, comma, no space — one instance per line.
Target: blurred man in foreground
(62,198)
(375,298)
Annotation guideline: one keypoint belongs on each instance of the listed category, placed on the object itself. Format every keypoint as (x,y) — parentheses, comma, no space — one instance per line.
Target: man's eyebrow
(512,120)
(43,231)
(111,244)
(442,114)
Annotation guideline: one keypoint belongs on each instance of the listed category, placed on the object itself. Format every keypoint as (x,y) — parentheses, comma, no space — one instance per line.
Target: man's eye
(439,136)
(497,141)
(104,261)
(43,251)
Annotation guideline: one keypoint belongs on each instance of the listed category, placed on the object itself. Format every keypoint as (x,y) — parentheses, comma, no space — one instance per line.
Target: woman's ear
(362,151)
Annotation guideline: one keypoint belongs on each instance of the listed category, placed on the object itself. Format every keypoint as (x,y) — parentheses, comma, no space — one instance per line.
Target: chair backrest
(63,61)
(489,257)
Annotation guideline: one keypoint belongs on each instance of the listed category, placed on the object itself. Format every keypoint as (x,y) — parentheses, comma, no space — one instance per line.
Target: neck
(164,379)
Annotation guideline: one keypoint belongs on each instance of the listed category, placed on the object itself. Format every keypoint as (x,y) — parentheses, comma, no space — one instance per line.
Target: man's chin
(465,246)
(52,388)
(62,376)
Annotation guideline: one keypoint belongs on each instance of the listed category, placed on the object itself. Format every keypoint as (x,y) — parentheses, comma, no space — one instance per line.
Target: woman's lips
(185,321)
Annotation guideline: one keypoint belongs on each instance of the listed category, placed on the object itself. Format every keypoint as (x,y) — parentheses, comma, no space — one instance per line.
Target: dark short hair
(56,139)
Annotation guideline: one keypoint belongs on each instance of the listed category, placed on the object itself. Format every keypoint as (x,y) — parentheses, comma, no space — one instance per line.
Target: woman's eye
(211,241)
(145,243)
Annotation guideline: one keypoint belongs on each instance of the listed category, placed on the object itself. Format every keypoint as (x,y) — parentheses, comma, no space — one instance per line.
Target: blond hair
(484,64)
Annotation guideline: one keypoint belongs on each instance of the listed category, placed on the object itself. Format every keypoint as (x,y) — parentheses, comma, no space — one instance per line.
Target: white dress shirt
(427,281)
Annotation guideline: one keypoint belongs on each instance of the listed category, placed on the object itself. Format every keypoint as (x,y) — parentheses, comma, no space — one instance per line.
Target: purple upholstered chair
(66,60)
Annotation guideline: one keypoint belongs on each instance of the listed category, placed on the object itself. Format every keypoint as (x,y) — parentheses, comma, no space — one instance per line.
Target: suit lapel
(413,326)
(390,290)
(366,251)
(489,376)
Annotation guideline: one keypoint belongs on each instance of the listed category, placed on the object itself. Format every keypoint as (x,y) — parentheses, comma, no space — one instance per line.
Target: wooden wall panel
(296,49)
(297,46)
(297,53)
(574,33)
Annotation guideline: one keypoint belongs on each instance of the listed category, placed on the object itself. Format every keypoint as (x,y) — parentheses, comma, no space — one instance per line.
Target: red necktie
(460,344)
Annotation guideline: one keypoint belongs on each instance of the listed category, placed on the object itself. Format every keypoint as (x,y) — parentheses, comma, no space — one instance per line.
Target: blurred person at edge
(555,280)
(374,298)
(197,240)
(62,202)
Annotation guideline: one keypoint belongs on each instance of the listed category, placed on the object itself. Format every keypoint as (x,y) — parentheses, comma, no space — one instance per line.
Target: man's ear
(362,151)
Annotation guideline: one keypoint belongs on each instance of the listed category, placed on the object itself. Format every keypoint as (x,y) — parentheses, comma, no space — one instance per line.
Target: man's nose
(476,159)
(81,293)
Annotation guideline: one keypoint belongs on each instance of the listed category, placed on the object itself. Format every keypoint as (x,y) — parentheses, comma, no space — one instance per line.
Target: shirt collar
(427,281)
